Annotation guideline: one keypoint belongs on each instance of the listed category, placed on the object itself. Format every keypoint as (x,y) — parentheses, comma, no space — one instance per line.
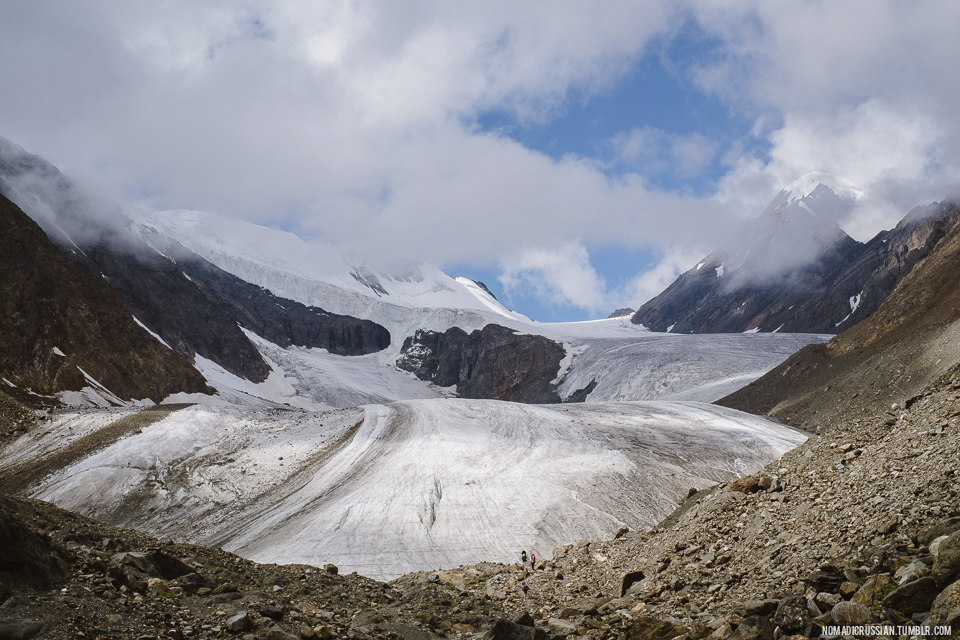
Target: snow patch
(57,351)
(720,270)
(147,329)
(10,384)
(754,330)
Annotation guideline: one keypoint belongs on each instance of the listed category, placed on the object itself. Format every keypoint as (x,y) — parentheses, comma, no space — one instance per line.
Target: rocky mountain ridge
(65,329)
(193,306)
(767,284)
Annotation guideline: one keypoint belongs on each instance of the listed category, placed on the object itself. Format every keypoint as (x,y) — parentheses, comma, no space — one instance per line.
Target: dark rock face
(844,283)
(52,301)
(619,313)
(196,307)
(493,363)
(191,304)
(26,558)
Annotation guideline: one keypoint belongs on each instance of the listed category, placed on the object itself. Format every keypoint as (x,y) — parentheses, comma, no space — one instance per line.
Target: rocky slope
(195,307)
(65,329)
(825,288)
(887,359)
(494,363)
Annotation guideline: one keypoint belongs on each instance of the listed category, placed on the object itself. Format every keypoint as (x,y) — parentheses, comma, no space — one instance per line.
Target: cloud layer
(355,121)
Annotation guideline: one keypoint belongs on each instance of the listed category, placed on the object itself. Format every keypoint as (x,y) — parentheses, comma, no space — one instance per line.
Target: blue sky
(656,94)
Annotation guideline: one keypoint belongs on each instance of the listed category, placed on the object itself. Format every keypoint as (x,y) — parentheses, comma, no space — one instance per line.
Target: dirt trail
(17,480)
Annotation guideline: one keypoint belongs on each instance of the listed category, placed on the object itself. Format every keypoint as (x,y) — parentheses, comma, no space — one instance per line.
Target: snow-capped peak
(806,184)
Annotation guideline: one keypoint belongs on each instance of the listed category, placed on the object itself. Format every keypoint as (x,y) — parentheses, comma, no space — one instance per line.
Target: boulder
(946,568)
(154,563)
(746,484)
(628,581)
(561,628)
(847,589)
(650,628)
(755,628)
(272,611)
(238,622)
(848,614)
(827,578)
(792,614)
(192,583)
(524,619)
(872,591)
(17,629)
(946,606)
(913,597)
(761,607)
(942,528)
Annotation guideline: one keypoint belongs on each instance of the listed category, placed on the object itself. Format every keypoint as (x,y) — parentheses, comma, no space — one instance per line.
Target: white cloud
(352,119)
(649,284)
(562,275)
(654,151)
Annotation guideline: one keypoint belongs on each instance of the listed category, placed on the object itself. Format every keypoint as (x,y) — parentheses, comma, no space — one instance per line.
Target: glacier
(414,485)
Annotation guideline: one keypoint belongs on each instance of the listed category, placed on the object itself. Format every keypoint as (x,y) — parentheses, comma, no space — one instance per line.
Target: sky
(576,157)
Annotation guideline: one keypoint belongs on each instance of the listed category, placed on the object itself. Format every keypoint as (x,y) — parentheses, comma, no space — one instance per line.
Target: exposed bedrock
(493,363)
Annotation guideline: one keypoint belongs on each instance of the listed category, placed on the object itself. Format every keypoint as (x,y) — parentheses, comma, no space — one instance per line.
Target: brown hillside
(52,302)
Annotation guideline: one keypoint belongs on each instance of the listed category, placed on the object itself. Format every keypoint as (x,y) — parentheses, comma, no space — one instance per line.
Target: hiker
(533,562)
(523,557)
(525,588)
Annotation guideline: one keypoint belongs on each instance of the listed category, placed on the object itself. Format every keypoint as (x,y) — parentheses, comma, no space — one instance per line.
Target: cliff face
(492,363)
(53,305)
(845,282)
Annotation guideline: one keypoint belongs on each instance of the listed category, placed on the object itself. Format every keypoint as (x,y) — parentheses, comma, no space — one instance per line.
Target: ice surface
(665,366)
(386,489)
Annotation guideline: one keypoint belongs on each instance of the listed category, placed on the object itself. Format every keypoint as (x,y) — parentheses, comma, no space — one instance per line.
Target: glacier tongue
(387,489)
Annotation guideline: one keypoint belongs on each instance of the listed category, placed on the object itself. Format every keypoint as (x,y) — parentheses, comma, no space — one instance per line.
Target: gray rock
(755,628)
(272,611)
(792,614)
(761,607)
(826,601)
(913,597)
(192,582)
(560,627)
(278,634)
(946,605)
(848,613)
(238,622)
(942,528)
(331,569)
(946,569)
(910,572)
(649,628)
(16,629)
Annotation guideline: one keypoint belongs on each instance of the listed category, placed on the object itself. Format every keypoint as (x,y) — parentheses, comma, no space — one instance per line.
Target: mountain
(190,305)
(884,361)
(795,270)
(67,333)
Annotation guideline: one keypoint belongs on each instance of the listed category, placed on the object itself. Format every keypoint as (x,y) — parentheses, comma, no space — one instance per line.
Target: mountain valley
(213,429)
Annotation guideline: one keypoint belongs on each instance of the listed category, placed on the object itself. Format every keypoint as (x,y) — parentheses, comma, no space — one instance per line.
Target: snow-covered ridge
(807,184)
